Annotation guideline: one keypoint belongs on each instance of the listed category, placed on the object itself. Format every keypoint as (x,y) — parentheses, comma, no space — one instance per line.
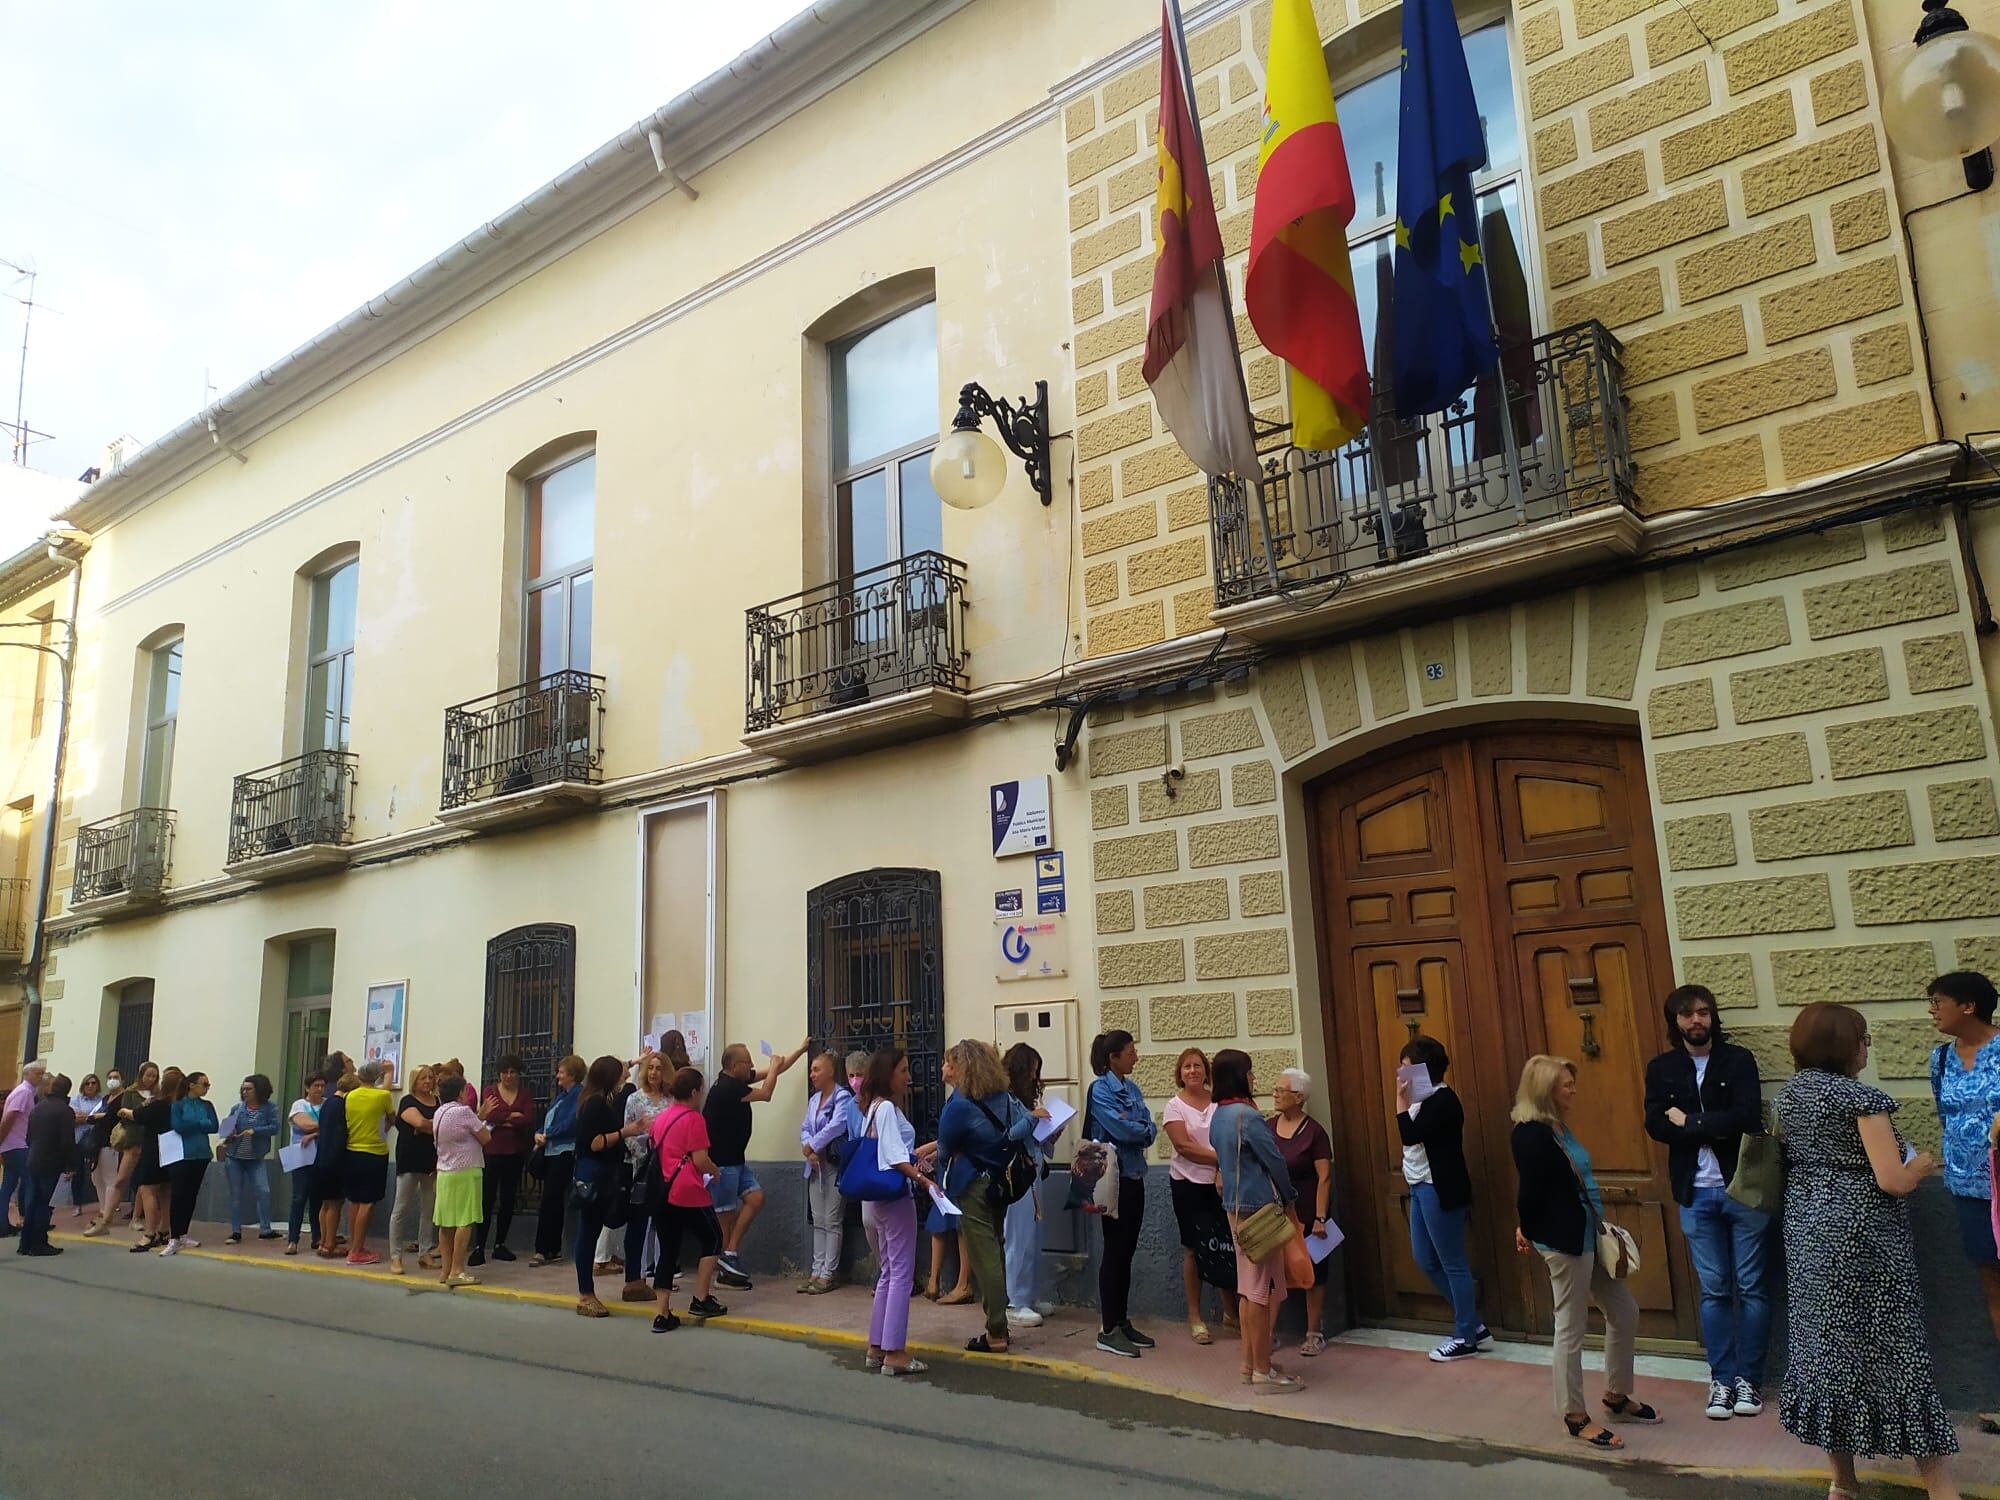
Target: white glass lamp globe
(1945,103)
(967,469)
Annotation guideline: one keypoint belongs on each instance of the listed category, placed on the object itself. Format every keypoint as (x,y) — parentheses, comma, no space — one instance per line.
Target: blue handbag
(864,1177)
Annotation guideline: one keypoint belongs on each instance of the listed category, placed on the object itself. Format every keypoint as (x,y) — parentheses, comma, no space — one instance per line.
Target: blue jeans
(1022,1240)
(1728,1243)
(249,1185)
(13,1184)
(305,1204)
(1437,1239)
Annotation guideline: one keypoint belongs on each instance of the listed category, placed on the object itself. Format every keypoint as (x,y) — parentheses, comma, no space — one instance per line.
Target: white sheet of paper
(944,1204)
(171,1149)
(1320,1246)
(291,1158)
(1909,1153)
(1061,1112)
(1418,1077)
(765,1048)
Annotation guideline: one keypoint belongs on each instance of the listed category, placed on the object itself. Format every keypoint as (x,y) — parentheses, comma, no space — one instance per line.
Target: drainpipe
(66,550)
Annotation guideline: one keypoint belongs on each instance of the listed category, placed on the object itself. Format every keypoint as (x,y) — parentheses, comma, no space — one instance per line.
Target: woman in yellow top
(366,1169)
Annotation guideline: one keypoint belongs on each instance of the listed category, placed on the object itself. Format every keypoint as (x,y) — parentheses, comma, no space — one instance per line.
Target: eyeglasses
(1936,1000)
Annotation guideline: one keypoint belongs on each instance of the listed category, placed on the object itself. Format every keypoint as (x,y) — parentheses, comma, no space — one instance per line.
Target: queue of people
(652,1158)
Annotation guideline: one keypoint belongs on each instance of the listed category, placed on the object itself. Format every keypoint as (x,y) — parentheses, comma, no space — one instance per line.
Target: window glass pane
(163,698)
(310,970)
(1368,124)
(579,623)
(346,699)
(321,696)
(923,512)
(562,518)
(864,523)
(545,625)
(157,771)
(333,608)
(885,388)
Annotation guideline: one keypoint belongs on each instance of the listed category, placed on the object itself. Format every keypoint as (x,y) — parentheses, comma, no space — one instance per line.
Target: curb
(1077,1371)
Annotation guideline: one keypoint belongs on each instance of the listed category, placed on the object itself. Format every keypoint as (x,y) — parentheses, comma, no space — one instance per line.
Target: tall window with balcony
(889,619)
(1542,437)
(126,857)
(297,814)
(543,732)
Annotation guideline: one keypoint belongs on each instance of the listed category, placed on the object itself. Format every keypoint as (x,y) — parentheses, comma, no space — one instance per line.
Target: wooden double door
(1498,891)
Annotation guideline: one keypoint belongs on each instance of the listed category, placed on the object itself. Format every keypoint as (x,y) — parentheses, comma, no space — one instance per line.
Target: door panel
(1499,892)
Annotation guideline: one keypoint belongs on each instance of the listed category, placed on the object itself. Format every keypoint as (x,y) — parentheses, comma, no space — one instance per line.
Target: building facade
(1667,659)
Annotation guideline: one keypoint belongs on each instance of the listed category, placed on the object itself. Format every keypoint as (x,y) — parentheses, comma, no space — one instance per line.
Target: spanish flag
(1300,286)
(1192,363)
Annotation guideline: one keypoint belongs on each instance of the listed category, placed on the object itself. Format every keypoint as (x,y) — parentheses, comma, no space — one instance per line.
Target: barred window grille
(875,975)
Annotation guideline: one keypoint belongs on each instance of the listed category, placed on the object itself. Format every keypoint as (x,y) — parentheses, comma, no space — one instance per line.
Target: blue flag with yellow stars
(1441,321)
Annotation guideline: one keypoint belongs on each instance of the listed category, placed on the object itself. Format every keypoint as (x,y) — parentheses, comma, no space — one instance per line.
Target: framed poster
(382,1027)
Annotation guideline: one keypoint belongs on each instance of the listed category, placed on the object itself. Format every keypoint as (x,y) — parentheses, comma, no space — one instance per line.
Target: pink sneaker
(365,1258)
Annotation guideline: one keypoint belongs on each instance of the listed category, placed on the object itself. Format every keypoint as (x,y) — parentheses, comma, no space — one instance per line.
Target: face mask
(114,1085)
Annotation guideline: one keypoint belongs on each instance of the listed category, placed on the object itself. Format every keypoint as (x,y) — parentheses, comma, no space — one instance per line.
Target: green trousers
(981,1233)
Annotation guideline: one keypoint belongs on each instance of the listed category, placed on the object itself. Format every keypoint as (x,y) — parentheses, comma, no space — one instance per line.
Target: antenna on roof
(19,426)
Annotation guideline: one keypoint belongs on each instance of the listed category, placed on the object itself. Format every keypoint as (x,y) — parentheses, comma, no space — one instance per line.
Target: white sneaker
(1045,1308)
(189,1242)
(1024,1317)
(1721,1402)
(172,1248)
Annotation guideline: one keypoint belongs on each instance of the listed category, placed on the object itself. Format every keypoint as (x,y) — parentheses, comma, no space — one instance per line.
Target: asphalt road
(260,1384)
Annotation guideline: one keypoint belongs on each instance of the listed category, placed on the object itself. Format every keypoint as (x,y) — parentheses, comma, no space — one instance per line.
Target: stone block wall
(1709,180)
(1821,765)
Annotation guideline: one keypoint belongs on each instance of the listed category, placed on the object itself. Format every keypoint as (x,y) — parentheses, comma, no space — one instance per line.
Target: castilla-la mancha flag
(1192,363)
(1299,290)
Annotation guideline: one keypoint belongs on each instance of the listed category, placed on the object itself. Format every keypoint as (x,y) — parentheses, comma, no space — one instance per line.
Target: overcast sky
(204,187)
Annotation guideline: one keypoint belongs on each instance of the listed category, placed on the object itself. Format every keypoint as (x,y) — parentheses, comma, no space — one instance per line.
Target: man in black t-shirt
(738,1198)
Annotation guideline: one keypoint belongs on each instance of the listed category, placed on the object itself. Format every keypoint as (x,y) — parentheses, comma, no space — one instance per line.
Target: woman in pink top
(461,1138)
(681,1203)
(1207,1251)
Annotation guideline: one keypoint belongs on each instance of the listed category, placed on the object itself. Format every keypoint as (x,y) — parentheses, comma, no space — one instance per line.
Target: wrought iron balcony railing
(536,734)
(126,855)
(1554,445)
(889,630)
(13,917)
(306,800)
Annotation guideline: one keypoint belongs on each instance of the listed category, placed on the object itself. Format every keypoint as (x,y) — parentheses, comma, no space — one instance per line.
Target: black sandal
(1603,1438)
(1628,1410)
(983,1345)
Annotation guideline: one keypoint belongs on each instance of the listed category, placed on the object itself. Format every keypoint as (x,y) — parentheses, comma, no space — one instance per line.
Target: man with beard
(1702,1097)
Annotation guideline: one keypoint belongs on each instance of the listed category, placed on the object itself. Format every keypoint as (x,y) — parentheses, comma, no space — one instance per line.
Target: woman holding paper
(892,1224)
(1197,1205)
(1431,1122)
(246,1142)
(155,1118)
(976,1132)
(304,1119)
(824,1125)
(1021,1237)
(193,1122)
(1251,1173)
(1308,1154)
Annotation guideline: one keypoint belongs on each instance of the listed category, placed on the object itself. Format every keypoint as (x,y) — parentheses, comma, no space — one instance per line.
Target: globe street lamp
(1945,102)
(967,468)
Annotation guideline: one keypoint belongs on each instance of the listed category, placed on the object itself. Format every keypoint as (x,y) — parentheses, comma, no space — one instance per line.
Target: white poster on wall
(694,1031)
(382,1029)
(1027,948)
(1020,816)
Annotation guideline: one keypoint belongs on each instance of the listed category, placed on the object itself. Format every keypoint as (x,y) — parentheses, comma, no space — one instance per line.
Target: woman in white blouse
(893,1223)
(1197,1203)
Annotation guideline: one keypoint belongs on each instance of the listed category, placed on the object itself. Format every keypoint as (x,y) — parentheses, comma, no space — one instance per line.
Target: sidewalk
(1362,1383)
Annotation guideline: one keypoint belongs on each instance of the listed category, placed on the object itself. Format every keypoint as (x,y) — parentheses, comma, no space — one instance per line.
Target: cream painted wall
(428,919)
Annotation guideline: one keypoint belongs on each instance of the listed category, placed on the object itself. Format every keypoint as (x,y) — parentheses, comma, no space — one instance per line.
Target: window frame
(888,463)
(309,739)
(562,581)
(169,649)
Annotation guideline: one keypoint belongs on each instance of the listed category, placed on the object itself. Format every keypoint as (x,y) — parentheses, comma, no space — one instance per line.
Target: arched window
(560,530)
(161,668)
(530,1003)
(875,974)
(885,424)
(330,616)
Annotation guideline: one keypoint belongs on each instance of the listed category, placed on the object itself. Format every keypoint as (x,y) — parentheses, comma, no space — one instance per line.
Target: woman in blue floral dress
(1965,1079)
(1858,1379)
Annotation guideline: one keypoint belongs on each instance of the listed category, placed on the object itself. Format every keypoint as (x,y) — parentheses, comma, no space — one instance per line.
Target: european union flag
(1441,319)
